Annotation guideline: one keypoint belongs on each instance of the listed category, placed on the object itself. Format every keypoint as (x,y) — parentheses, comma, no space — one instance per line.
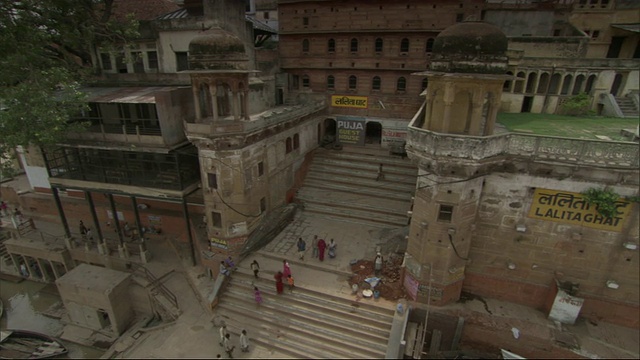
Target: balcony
(272,117)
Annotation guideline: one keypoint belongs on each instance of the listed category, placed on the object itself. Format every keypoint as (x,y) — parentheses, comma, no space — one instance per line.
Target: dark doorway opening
(329,135)
(526,104)
(615,47)
(615,86)
(373,133)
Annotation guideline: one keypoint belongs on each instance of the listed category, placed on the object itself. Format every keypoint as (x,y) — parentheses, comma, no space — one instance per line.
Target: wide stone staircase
(341,184)
(628,107)
(304,323)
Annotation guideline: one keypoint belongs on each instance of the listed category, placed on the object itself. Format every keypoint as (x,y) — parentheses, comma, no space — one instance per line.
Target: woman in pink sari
(286,269)
(321,246)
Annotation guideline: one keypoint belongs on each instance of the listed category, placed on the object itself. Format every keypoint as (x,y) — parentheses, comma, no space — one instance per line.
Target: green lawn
(567,126)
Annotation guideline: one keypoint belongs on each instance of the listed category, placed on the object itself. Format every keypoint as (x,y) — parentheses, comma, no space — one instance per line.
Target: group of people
(225,341)
(319,246)
(4,211)
(227,266)
(282,276)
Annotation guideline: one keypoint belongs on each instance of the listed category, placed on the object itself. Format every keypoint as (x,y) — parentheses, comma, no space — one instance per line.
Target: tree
(48,51)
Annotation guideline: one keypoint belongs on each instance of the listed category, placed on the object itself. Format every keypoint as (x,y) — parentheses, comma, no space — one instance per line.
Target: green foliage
(604,200)
(48,48)
(578,105)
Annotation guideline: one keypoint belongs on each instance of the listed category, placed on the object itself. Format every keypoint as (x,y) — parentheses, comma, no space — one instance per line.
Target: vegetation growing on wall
(578,105)
(604,201)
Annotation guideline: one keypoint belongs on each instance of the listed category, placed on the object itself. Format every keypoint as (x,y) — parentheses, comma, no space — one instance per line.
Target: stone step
(381,189)
(309,299)
(383,204)
(357,164)
(281,313)
(295,322)
(367,156)
(362,216)
(292,337)
(360,174)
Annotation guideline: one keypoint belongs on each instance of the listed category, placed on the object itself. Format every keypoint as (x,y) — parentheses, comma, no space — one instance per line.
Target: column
(185,213)
(236,108)
(213,91)
(491,117)
(45,277)
(136,214)
(53,268)
(476,113)
(96,222)
(116,221)
(245,104)
(63,219)
(447,99)
(196,101)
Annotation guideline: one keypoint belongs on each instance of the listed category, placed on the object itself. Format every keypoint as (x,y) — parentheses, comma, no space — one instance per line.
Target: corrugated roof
(629,27)
(183,14)
(131,95)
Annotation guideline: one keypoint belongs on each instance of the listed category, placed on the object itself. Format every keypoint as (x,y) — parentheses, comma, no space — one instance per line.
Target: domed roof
(471,37)
(470,47)
(217,49)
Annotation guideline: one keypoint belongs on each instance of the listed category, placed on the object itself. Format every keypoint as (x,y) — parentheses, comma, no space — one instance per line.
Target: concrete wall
(173,107)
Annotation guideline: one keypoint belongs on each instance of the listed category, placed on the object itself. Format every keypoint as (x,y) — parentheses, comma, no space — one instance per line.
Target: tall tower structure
(466,77)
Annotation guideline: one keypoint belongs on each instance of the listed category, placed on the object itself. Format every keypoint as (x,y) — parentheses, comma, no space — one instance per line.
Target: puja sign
(219,243)
(572,208)
(356,102)
(350,130)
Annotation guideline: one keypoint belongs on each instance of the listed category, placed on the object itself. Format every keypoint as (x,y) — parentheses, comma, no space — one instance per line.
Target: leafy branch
(604,200)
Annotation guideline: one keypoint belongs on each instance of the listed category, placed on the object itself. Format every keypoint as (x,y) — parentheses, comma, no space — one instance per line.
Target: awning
(628,27)
(131,95)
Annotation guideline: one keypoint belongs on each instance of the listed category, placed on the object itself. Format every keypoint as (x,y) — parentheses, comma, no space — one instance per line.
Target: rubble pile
(390,286)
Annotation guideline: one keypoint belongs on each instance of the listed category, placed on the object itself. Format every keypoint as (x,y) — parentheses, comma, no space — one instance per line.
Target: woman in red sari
(321,246)
(279,285)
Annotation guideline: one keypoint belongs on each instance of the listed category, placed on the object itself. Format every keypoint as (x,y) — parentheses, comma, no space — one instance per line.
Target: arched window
(566,85)
(543,83)
(590,81)
(305,81)
(353,82)
(425,83)
(577,87)
(378,45)
(296,141)
(519,83)
(554,84)
(430,45)
(289,146)
(507,83)
(401,85)
(354,45)
(305,46)
(331,45)
(331,82)
(531,82)
(375,84)
(404,45)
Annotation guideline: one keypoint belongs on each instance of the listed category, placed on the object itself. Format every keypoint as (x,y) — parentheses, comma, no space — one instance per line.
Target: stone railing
(533,147)
(267,119)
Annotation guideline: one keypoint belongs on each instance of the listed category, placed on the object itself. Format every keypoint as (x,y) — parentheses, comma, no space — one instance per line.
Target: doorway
(329,135)
(615,86)
(373,133)
(526,104)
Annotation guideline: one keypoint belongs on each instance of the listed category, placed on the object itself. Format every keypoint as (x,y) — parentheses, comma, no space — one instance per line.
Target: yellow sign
(572,208)
(357,102)
(219,243)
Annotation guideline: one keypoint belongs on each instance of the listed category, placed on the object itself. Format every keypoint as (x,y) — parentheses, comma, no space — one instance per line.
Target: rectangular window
(296,82)
(263,205)
(121,64)
(265,15)
(142,111)
(182,61)
(124,111)
(152,57)
(216,219)
(459,17)
(445,213)
(138,64)
(212,180)
(260,168)
(595,34)
(556,32)
(305,21)
(106,61)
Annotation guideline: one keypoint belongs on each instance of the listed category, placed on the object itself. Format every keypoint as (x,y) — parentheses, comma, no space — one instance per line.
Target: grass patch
(567,126)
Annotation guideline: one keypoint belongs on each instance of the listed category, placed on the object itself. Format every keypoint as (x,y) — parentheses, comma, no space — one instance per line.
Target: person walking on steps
(223,333)
(302,246)
(255,267)
(258,295)
(286,269)
(321,246)
(380,173)
(291,283)
(279,285)
(228,348)
(244,341)
(332,249)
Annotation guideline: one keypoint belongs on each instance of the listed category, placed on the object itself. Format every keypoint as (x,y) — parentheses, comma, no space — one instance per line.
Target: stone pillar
(476,113)
(53,268)
(196,101)
(236,108)
(245,104)
(213,91)
(449,94)
(491,118)
(45,277)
